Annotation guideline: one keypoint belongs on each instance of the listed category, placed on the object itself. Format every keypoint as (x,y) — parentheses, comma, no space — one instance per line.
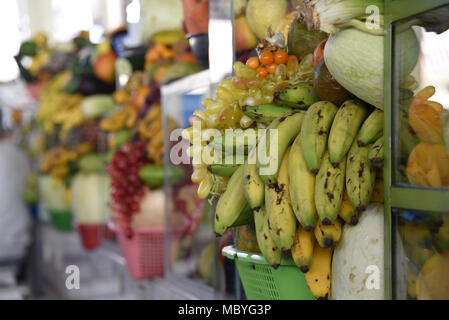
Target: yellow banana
(266,244)
(253,185)
(319,276)
(314,132)
(347,212)
(327,236)
(302,187)
(287,129)
(281,219)
(378,192)
(230,204)
(372,128)
(302,249)
(329,189)
(344,129)
(360,177)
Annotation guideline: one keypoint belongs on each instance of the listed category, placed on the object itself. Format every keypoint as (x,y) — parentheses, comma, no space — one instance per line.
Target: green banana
(376,153)
(237,140)
(231,203)
(253,186)
(302,187)
(346,124)
(314,132)
(329,189)
(281,219)
(266,244)
(228,165)
(298,95)
(372,128)
(360,176)
(266,113)
(245,217)
(287,129)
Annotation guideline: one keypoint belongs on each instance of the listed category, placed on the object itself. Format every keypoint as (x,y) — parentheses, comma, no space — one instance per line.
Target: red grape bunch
(127,187)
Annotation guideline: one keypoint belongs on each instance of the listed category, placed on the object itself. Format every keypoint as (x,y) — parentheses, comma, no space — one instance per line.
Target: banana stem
(362,26)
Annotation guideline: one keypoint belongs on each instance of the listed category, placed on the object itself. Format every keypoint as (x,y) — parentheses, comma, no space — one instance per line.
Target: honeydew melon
(358,261)
(356,60)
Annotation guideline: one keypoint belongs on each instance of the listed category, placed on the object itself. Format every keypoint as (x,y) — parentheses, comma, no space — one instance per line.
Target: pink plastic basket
(144,251)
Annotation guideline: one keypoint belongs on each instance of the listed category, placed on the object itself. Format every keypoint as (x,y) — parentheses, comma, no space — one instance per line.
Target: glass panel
(192,249)
(421,100)
(421,255)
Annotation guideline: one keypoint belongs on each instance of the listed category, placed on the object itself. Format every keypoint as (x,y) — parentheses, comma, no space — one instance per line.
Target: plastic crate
(263,282)
(144,251)
(91,235)
(62,220)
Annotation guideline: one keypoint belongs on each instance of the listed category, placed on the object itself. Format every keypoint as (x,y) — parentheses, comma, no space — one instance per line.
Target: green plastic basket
(262,282)
(62,220)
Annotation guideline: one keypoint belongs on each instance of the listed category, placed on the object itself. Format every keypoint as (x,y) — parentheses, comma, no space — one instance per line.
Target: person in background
(15,221)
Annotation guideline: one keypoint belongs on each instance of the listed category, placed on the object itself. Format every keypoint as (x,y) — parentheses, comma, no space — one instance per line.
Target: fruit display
(425,241)
(170,57)
(428,162)
(307,167)
(60,162)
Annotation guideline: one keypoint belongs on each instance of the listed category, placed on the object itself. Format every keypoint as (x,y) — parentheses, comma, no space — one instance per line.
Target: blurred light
(10,40)
(114,14)
(96,34)
(123,79)
(133,12)
(69,17)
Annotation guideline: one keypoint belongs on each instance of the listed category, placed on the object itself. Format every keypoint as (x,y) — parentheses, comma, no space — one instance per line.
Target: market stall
(240,149)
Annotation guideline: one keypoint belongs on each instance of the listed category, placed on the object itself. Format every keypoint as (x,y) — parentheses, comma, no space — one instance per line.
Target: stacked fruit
(128,188)
(58,161)
(428,162)
(169,57)
(426,243)
(57,107)
(239,103)
(324,162)
(324,177)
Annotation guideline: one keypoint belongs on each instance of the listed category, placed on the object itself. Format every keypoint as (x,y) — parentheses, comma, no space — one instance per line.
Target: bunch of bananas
(56,161)
(59,108)
(125,117)
(150,131)
(326,169)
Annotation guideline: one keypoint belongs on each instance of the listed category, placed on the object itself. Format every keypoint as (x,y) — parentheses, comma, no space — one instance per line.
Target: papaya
(425,117)
(428,166)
